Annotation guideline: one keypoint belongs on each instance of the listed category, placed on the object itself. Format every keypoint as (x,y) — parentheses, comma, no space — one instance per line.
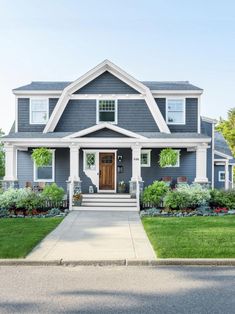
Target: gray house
(107,127)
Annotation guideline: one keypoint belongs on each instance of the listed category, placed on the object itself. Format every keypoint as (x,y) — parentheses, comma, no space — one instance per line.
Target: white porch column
(74,163)
(226,169)
(201,164)
(74,179)
(136,163)
(10,163)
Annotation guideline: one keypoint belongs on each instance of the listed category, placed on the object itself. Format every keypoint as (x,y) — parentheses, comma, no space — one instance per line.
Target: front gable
(87,82)
(105,132)
(106,83)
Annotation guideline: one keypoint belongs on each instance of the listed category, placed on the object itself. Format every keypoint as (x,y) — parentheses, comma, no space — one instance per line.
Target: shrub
(187,196)
(53,193)
(155,193)
(9,198)
(29,200)
(222,198)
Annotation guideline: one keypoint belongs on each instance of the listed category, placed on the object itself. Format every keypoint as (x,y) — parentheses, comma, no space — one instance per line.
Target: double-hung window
(45,173)
(175,111)
(145,157)
(107,111)
(39,110)
(221,176)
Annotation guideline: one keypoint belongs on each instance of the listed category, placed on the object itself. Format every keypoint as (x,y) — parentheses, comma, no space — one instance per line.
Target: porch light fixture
(120,158)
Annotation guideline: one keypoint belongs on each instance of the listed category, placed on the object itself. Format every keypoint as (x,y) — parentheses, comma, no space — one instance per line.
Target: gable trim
(216,152)
(91,75)
(101,126)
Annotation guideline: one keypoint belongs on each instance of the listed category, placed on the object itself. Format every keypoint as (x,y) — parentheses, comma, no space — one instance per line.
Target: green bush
(9,198)
(222,198)
(29,200)
(53,193)
(155,193)
(187,196)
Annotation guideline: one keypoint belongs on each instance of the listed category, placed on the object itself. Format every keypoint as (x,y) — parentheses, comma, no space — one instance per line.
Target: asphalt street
(89,289)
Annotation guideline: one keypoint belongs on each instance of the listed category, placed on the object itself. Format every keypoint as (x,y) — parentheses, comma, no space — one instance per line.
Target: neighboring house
(108,127)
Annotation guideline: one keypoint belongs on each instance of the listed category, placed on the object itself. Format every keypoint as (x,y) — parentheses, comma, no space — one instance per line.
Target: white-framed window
(39,110)
(106,111)
(221,176)
(145,157)
(175,111)
(45,173)
(89,160)
(178,160)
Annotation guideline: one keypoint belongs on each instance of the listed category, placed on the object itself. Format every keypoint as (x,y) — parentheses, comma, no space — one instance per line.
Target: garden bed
(192,237)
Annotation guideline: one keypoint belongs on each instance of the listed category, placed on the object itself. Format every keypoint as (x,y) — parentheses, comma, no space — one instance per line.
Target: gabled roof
(105,125)
(221,145)
(106,65)
(152,85)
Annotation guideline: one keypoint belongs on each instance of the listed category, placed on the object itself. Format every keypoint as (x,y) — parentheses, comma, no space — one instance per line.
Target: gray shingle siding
(155,172)
(191,108)
(133,115)
(23,115)
(105,133)
(106,83)
(25,167)
(218,184)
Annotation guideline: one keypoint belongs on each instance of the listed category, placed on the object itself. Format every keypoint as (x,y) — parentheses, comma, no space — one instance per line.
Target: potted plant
(121,187)
(77,198)
(42,156)
(168,157)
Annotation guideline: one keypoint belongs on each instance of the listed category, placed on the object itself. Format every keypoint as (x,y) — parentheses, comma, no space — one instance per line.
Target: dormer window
(39,110)
(175,111)
(106,111)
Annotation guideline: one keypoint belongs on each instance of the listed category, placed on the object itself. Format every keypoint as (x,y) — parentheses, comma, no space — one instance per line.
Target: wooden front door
(107,171)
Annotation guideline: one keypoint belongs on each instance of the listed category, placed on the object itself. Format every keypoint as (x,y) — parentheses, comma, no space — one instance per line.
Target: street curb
(124,262)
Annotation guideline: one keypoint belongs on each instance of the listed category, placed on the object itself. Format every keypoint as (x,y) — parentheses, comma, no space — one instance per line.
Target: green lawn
(19,236)
(192,237)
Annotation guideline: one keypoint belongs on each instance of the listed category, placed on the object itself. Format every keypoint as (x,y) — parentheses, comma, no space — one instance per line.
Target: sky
(150,39)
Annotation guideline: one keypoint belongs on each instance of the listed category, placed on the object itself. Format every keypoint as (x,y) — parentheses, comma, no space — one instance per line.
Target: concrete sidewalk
(87,235)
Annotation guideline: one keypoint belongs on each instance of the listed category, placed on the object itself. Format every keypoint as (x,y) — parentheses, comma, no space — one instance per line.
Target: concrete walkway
(88,235)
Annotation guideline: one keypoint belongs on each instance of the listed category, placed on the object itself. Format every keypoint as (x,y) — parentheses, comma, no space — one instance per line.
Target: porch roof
(153,135)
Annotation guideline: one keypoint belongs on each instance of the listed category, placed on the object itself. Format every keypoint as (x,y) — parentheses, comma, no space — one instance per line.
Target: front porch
(83,166)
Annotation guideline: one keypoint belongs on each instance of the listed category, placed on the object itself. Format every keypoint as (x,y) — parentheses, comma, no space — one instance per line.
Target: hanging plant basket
(168,157)
(42,156)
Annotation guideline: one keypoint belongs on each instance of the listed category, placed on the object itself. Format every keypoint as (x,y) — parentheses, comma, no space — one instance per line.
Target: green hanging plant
(42,156)
(168,157)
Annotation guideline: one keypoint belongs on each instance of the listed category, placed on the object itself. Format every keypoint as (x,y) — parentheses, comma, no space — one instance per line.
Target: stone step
(102,195)
(108,200)
(107,204)
(99,208)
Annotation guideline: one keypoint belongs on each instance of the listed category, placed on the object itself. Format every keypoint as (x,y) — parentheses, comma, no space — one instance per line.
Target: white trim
(199,115)
(106,96)
(53,170)
(213,157)
(184,110)
(219,176)
(91,75)
(148,152)
(30,110)
(104,125)
(24,93)
(222,155)
(206,119)
(16,114)
(160,92)
(98,111)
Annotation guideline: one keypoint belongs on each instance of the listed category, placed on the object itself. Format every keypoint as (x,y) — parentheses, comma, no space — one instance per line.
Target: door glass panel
(107,159)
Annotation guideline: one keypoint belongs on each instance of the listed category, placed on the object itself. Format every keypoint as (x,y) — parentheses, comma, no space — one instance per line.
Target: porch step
(107,202)
(99,208)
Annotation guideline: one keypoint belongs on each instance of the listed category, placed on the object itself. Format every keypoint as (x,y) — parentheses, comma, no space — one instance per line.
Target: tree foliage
(227,128)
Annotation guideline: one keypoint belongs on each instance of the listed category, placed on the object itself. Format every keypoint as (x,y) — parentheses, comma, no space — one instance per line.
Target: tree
(2,157)
(227,128)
